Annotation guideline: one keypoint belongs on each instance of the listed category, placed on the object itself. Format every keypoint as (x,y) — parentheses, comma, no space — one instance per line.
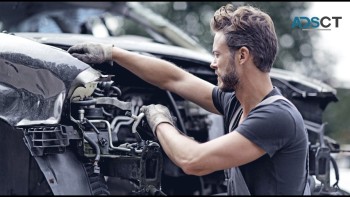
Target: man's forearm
(182,150)
(153,70)
(167,76)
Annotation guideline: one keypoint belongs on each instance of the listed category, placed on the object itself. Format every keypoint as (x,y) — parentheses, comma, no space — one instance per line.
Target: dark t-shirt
(278,128)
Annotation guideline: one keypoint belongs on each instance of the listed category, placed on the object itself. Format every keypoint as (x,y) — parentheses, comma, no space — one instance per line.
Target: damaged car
(69,128)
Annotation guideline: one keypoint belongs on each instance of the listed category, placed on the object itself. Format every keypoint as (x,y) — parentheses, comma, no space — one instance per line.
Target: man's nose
(213,65)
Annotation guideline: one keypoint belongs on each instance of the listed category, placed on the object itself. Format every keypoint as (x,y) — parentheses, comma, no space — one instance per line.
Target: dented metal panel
(34,81)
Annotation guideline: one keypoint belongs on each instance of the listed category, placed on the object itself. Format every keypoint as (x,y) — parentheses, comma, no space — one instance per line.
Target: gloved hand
(92,53)
(156,114)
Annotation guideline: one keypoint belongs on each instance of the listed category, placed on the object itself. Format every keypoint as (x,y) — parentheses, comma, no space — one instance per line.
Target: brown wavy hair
(250,27)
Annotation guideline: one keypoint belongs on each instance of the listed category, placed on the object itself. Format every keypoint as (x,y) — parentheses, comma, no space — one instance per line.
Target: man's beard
(230,81)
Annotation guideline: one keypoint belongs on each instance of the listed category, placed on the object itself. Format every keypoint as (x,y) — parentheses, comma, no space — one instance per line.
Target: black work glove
(92,53)
(156,114)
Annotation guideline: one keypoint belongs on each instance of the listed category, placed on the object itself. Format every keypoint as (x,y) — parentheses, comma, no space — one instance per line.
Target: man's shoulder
(279,111)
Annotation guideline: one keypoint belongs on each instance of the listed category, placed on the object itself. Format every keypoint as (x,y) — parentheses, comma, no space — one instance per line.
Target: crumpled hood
(35,80)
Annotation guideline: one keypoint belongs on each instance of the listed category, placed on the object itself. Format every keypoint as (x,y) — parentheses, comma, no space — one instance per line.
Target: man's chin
(226,89)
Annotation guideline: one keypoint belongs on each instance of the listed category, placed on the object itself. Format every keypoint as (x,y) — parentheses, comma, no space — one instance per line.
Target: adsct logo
(315,23)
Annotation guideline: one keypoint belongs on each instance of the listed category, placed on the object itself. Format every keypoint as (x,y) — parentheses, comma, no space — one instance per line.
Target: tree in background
(337,117)
(296,50)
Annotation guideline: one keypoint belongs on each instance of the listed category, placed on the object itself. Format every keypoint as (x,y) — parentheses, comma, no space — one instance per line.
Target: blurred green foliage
(296,47)
(337,115)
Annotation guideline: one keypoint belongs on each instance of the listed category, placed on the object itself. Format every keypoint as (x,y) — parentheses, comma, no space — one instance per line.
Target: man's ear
(244,54)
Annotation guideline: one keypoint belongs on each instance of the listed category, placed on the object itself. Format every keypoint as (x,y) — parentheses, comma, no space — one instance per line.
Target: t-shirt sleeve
(221,100)
(218,99)
(269,127)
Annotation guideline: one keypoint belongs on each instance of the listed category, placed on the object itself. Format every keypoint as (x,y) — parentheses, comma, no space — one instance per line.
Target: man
(265,149)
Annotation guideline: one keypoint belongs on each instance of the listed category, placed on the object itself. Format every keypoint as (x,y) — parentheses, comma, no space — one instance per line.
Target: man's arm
(160,73)
(232,149)
(168,76)
(227,151)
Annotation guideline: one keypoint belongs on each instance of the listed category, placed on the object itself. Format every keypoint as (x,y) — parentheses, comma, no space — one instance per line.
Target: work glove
(156,114)
(92,53)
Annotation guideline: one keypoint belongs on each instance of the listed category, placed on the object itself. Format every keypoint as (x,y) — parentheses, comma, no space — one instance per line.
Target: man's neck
(250,93)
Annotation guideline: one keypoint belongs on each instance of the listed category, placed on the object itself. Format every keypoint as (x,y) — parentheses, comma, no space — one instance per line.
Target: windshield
(101,19)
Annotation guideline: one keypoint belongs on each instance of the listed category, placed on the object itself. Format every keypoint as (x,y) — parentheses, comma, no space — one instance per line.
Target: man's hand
(156,114)
(92,53)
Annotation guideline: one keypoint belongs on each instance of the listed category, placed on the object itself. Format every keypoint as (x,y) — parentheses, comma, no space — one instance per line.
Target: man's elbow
(194,168)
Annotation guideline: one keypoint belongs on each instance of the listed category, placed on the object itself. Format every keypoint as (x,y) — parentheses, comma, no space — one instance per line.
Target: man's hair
(250,27)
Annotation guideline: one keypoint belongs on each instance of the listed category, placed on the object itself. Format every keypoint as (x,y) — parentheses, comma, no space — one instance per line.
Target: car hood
(35,80)
(141,44)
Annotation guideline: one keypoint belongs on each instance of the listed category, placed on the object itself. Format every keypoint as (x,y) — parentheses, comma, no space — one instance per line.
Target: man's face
(224,64)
